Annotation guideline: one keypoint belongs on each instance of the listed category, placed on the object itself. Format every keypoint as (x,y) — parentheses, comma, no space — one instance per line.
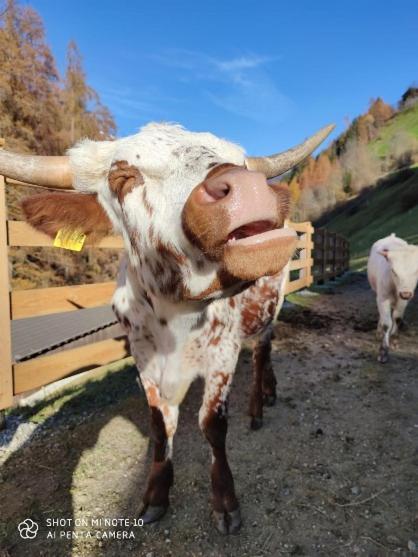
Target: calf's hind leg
(263,388)
(163,427)
(214,425)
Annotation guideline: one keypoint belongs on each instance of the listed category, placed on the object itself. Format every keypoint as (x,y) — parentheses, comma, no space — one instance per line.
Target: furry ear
(385,253)
(49,212)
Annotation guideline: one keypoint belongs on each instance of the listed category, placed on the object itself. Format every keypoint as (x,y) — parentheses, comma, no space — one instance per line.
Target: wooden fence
(20,377)
(331,255)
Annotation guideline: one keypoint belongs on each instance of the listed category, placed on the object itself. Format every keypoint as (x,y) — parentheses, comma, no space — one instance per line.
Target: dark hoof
(269,400)
(383,357)
(152,513)
(227,522)
(256,423)
(402,325)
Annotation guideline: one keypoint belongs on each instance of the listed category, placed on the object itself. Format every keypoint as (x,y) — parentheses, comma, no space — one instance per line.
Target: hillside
(390,206)
(381,140)
(403,121)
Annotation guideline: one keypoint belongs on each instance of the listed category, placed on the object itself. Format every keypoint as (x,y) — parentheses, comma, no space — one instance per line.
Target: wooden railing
(19,377)
(331,255)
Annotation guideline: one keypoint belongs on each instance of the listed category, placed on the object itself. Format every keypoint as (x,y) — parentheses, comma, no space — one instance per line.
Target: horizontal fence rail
(17,377)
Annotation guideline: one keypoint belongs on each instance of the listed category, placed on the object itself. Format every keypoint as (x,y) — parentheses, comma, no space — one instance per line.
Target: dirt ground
(332,472)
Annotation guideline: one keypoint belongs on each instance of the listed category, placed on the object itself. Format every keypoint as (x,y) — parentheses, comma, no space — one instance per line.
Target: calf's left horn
(274,165)
(43,171)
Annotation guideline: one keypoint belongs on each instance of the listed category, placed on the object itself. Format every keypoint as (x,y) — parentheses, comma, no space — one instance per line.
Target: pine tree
(30,109)
(85,115)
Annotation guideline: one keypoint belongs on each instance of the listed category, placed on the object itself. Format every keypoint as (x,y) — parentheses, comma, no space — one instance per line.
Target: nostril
(216,191)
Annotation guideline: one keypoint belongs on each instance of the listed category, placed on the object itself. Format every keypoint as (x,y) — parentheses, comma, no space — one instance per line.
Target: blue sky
(264,73)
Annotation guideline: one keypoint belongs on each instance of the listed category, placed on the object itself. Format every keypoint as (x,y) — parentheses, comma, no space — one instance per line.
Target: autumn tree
(294,189)
(84,114)
(360,166)
(380,111)
(30,110)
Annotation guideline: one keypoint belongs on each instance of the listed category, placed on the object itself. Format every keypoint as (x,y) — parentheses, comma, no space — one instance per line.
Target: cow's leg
(397,316)
(163,427)
(264,382)
(214,424)
(385,313)
(398,313)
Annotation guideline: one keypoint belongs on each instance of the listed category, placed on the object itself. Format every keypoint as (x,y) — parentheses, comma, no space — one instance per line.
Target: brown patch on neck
(123,177)
(223,281)
(148,207)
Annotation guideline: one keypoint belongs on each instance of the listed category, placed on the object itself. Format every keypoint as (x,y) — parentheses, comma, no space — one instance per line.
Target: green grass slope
(406,121)
(390,206)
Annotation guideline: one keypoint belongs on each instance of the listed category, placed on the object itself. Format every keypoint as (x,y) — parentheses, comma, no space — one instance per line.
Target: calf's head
(403,264)
(198,217)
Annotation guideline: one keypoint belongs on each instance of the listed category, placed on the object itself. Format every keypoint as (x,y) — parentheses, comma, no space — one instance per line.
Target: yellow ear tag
(69,239)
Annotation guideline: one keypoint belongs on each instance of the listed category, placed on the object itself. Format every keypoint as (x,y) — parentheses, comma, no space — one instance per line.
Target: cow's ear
(50,212)
(385,253)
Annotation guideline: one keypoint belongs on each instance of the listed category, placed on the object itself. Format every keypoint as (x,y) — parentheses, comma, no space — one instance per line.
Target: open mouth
(257,232)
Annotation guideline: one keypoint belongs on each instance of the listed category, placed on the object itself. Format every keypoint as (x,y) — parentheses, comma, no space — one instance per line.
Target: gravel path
(332,472)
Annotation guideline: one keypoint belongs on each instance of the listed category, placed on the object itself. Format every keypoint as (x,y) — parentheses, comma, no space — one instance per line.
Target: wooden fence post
(333,236)
(6,370)
(324,255)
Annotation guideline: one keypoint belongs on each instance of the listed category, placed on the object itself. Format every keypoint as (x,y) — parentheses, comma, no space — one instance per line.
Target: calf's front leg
(397,315)
(163,427)
(214,425)
(263,390)
(386,324)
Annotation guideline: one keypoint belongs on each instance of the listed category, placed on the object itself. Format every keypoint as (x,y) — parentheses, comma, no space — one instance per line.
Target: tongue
(263,237)
(250,229)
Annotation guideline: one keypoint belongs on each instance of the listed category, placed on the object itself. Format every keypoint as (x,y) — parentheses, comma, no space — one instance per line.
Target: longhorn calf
(206,265)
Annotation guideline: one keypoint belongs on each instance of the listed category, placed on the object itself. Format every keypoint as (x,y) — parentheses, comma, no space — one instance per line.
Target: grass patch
(298,300)
(407,121)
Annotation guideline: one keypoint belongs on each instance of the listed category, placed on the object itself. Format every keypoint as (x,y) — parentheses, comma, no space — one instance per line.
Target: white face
(145,183)
(404,268)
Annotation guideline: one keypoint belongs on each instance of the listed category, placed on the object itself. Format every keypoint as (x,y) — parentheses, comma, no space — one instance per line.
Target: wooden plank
(96,374)
(21,234)
(304,243)
(298,284)
(300,226)
(42,301)
(297,264)
(6,374)
(41,371)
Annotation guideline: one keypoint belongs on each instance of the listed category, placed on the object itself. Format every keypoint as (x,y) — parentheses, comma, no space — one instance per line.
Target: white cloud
(242,85)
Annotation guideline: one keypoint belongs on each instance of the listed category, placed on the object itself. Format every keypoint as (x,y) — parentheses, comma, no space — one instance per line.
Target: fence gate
(331,255)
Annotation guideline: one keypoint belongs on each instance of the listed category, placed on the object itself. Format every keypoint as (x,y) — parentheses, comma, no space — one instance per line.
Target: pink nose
(405,295)
(232,184)
(213,190)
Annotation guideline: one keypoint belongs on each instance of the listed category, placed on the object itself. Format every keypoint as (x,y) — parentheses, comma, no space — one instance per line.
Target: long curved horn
(274,165)
(43,171)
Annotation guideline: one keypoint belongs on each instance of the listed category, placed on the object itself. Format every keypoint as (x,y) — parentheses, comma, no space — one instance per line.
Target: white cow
(392,270)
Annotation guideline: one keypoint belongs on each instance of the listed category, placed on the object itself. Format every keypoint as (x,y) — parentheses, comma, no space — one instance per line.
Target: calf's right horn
(45,171)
